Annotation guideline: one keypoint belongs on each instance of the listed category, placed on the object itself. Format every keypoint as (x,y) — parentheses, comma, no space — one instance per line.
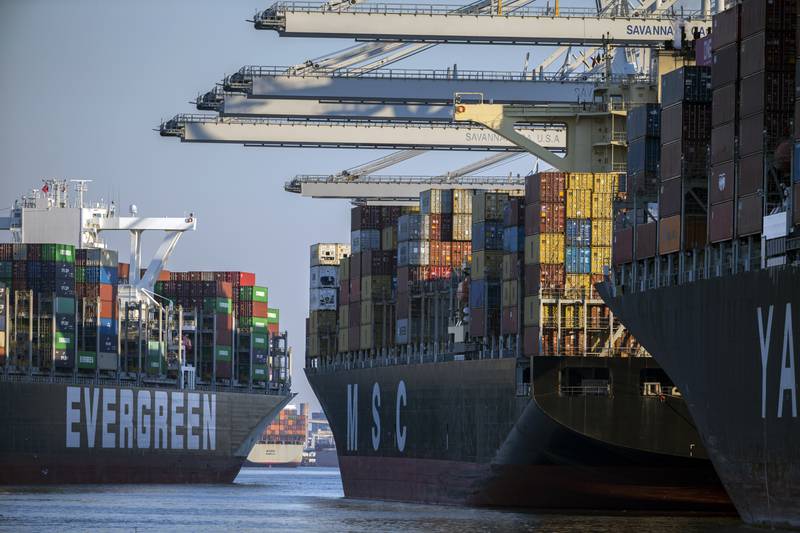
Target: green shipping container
(87,360)
(222,353)
(273,316)
(64,340)
(155,357)
(260,340)
(257,323)
(218,305)
(64,305)
(253,294)
(260,373)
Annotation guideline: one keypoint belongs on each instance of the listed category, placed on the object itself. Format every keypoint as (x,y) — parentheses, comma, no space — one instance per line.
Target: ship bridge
(437,23)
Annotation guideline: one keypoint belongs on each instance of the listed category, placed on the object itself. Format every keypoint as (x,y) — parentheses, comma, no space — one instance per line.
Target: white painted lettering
(143,401)
(787,365)
(210,421)
(376,419)
(352,417)
(400,433)
(764,354)
(73,417)
(126,418)
(109,417)
(192,420)
(176,421)
(160,420)
(91,401)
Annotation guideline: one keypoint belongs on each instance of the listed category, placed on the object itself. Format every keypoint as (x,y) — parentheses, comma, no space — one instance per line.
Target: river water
(296,500)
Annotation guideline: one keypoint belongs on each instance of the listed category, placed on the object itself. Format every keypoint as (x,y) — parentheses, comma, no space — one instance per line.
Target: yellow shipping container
(510,293)
(602,231)
(462,201)
(606,182)
(531,315)
(579,203)
(344,316)
(547,248)
(580,180)
(578,281)
(601,257)
(549,315)
(602,205)
(377,287)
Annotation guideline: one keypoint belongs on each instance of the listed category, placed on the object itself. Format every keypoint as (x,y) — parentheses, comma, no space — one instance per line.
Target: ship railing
(586,390)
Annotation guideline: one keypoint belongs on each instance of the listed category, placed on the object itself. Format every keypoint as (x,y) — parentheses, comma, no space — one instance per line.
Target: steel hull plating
(64,433)
(457,433)
(728,343)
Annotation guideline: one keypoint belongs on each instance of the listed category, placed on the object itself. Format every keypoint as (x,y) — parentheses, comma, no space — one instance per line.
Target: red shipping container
(514,212)
(223,369)
(273,328)
(344,291)
(355,290)
(509,321)
(354,338)
(355,266)
(723,105)
(669,197)
(546,217)
(622,251)
(402,308)
(749,214)
(461,252)
(545,187)
(377,263)
(646,239)
(720,186)
(530,341)
(437,272)
(108,309)
(669,235)
(721,222)
(725,27)
(543,276)
(441,254)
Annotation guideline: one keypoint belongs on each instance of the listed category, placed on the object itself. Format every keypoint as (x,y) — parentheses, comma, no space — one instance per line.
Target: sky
(88,81)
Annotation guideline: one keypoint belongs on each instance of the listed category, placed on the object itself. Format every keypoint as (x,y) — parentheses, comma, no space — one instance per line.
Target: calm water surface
(298,500)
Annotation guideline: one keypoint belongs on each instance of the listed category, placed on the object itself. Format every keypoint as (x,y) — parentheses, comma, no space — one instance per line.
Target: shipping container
(413,253)
(722,143)
(487,235)
(670,197)
(601,258)
(751,174)
(669,235)
(725,27)
(602,230)
(322,299)
(687,121)
(514,239)
(749,215)
(646,240)
(544,248)
(413,227)
(487,264)
(579,203)
(512,266)
(578,232)
(702,49)
(436,201)
(644,154)
(365,217)
(488,205)
(725,65)
(721,183)
(578,260)
(578,281)
(623,246)
(760,15)
(462,227)
(643,121)
(363,240)
(545,187)
(723,105)
(320,277)
(462,202)
(544,217)
(377,262)
(688,84)
(721,222)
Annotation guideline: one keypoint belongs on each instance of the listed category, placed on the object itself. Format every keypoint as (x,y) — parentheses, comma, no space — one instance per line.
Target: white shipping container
(401,333)
(325,254)
(342,251)
(322,300)
(324,277)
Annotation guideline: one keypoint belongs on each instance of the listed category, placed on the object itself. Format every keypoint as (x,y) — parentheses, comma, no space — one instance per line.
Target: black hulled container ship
(462,357)
(712,293)
(109,376)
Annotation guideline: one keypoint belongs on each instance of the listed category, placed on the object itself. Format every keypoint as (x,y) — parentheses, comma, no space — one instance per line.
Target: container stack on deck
(96,280)
(326,274)
(712,204)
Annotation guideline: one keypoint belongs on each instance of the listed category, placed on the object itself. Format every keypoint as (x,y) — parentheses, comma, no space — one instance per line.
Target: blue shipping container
(108,275)
(579,232)
(579,260)
(514,239)
(108,326)
(487,235)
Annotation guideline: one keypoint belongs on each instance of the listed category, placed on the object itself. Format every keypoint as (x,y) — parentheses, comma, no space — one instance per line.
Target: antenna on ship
(81,186)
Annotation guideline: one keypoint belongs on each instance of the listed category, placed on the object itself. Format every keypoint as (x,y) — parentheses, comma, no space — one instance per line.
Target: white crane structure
(46,215)
(436,23)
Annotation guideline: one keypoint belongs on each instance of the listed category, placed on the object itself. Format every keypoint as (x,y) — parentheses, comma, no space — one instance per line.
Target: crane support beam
(237,105)
(436,23)
(396,188)
(353,134)
(415,85)
(579,121)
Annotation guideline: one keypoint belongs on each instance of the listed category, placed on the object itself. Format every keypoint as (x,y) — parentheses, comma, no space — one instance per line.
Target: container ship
(462,357)
(708,286)
(114,374)
(282,443)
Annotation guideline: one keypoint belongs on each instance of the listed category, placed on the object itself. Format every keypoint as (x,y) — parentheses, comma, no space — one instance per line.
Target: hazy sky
(87,81)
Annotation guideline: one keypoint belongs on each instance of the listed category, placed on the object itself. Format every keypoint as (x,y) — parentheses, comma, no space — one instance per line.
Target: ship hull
(275,455)
(458,433)
(58,433)
(729,345)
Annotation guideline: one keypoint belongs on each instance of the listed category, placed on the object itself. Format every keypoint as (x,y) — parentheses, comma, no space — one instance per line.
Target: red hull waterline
(533,486)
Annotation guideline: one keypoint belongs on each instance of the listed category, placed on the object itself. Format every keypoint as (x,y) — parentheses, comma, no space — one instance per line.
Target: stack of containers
(796,153)
(96,281)
(4,291)
(365,236)
(273,321)
(766,107)
(324,284)
(48,270)
(487,262)
(378,280)
(685,134)
(512,273)
(252,315)
(545,224)
(413,266)
(644,154)
(289,427)
(218,308)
